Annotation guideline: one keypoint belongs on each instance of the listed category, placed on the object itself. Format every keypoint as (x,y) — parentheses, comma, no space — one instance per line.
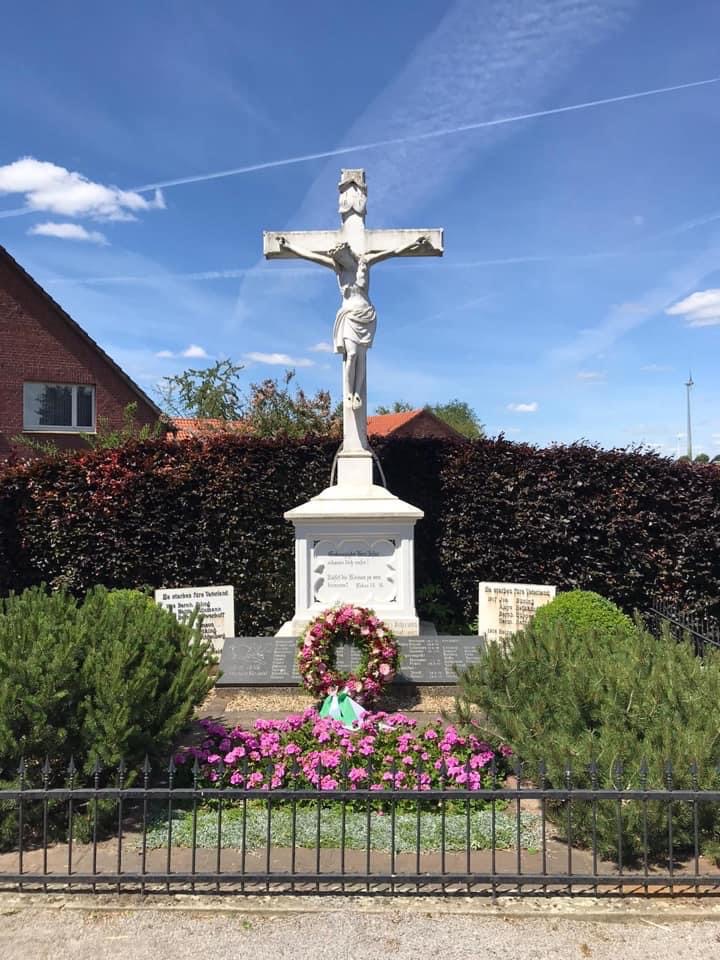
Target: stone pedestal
(354,543)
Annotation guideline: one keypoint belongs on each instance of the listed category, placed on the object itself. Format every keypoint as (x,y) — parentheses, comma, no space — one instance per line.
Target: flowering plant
(307,751)
(347,624)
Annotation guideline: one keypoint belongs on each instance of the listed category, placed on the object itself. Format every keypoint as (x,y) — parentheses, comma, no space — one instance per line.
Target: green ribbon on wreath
(341,706)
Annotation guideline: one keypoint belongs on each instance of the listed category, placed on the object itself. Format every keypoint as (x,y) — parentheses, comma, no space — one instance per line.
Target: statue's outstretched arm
(304,254)
(417,244)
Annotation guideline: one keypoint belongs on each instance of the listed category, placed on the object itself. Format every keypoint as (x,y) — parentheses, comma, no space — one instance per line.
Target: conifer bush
(611,707)
(113,677)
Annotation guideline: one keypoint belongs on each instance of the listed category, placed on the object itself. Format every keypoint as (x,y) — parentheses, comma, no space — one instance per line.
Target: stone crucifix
(350,252)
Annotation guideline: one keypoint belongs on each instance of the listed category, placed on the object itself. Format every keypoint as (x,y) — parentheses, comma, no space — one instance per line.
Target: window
(58,406)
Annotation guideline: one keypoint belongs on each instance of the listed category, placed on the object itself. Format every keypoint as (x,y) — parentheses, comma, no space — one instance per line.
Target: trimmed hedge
(155,513)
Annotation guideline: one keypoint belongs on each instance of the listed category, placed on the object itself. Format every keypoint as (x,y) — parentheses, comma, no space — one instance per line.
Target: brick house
(56,383)
(412,423)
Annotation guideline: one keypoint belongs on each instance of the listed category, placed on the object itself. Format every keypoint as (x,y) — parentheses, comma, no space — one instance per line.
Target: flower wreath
(347,624)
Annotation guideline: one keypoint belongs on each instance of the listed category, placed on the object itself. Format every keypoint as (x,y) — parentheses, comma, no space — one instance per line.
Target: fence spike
(46,769)
(593,771)
(147,767)
(71,768)
(22,768)
(694,771)
(542,771)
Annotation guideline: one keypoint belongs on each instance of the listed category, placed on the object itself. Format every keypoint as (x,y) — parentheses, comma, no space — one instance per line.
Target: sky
(569,149)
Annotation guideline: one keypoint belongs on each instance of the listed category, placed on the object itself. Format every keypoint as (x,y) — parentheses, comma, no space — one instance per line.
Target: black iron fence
(702,629)
(517,835)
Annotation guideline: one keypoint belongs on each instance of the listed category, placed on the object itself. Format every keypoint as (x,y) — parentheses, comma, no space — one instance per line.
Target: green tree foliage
(274,410)
(213,392)
(270,408)
(112,677)
(702,458)
(460,416)
(400,406)
(573,690)
(108,437)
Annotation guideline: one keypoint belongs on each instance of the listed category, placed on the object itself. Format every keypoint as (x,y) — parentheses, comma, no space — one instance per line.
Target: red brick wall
(38,344)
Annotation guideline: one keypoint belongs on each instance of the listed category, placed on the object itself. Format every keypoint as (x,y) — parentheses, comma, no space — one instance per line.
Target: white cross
(350,252)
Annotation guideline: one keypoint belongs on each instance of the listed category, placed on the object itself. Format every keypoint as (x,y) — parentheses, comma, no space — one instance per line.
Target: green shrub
(568,695)
(112,677)
(582,612)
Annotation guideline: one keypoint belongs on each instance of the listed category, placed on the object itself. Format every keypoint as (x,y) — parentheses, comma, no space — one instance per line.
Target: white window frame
(73,428)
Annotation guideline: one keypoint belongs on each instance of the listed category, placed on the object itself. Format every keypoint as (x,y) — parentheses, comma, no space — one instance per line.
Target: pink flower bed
(389,751)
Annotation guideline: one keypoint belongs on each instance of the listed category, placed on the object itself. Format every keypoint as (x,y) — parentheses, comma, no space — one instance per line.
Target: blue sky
(581,279)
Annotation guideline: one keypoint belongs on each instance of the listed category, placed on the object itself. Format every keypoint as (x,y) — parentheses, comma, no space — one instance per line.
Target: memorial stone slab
(272,661)
(216,604)
(505,608)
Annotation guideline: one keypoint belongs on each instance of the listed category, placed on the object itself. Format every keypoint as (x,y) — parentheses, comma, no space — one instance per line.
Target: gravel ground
(348,930)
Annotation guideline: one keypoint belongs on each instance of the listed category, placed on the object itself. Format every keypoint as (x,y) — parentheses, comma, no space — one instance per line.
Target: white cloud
(590,376)
(280,359)
(530,407)
(195,351)
(700,309)
(68,231)
(655,368)
(54,189)
(323,347)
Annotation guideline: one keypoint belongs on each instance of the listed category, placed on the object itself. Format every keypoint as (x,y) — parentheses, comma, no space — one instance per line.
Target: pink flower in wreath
(385,669)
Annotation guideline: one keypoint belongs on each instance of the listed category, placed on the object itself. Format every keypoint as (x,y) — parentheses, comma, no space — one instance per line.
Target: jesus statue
(356,319)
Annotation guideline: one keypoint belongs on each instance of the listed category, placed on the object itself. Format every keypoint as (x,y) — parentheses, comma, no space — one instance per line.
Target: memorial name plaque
(505,608)
(271,661)
(216,604)
(354,571)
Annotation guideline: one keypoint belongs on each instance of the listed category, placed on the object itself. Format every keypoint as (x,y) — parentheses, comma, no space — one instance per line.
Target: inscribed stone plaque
(354,570)
(216,604)
(505,608)
(271,661)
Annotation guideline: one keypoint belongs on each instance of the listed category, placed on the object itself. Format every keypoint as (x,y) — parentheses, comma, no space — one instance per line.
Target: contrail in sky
(416,137)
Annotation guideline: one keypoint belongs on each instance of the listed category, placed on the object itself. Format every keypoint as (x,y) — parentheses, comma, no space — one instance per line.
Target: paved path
(354,930)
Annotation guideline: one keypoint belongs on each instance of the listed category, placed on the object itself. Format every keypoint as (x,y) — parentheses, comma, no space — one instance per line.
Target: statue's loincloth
(356,324)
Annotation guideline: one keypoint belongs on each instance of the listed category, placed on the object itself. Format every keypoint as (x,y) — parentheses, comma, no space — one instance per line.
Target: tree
(400,406)
(268,409)
(460,416)
(702,458)
(716,459)
(212,393)
(273,410)
(109,438)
